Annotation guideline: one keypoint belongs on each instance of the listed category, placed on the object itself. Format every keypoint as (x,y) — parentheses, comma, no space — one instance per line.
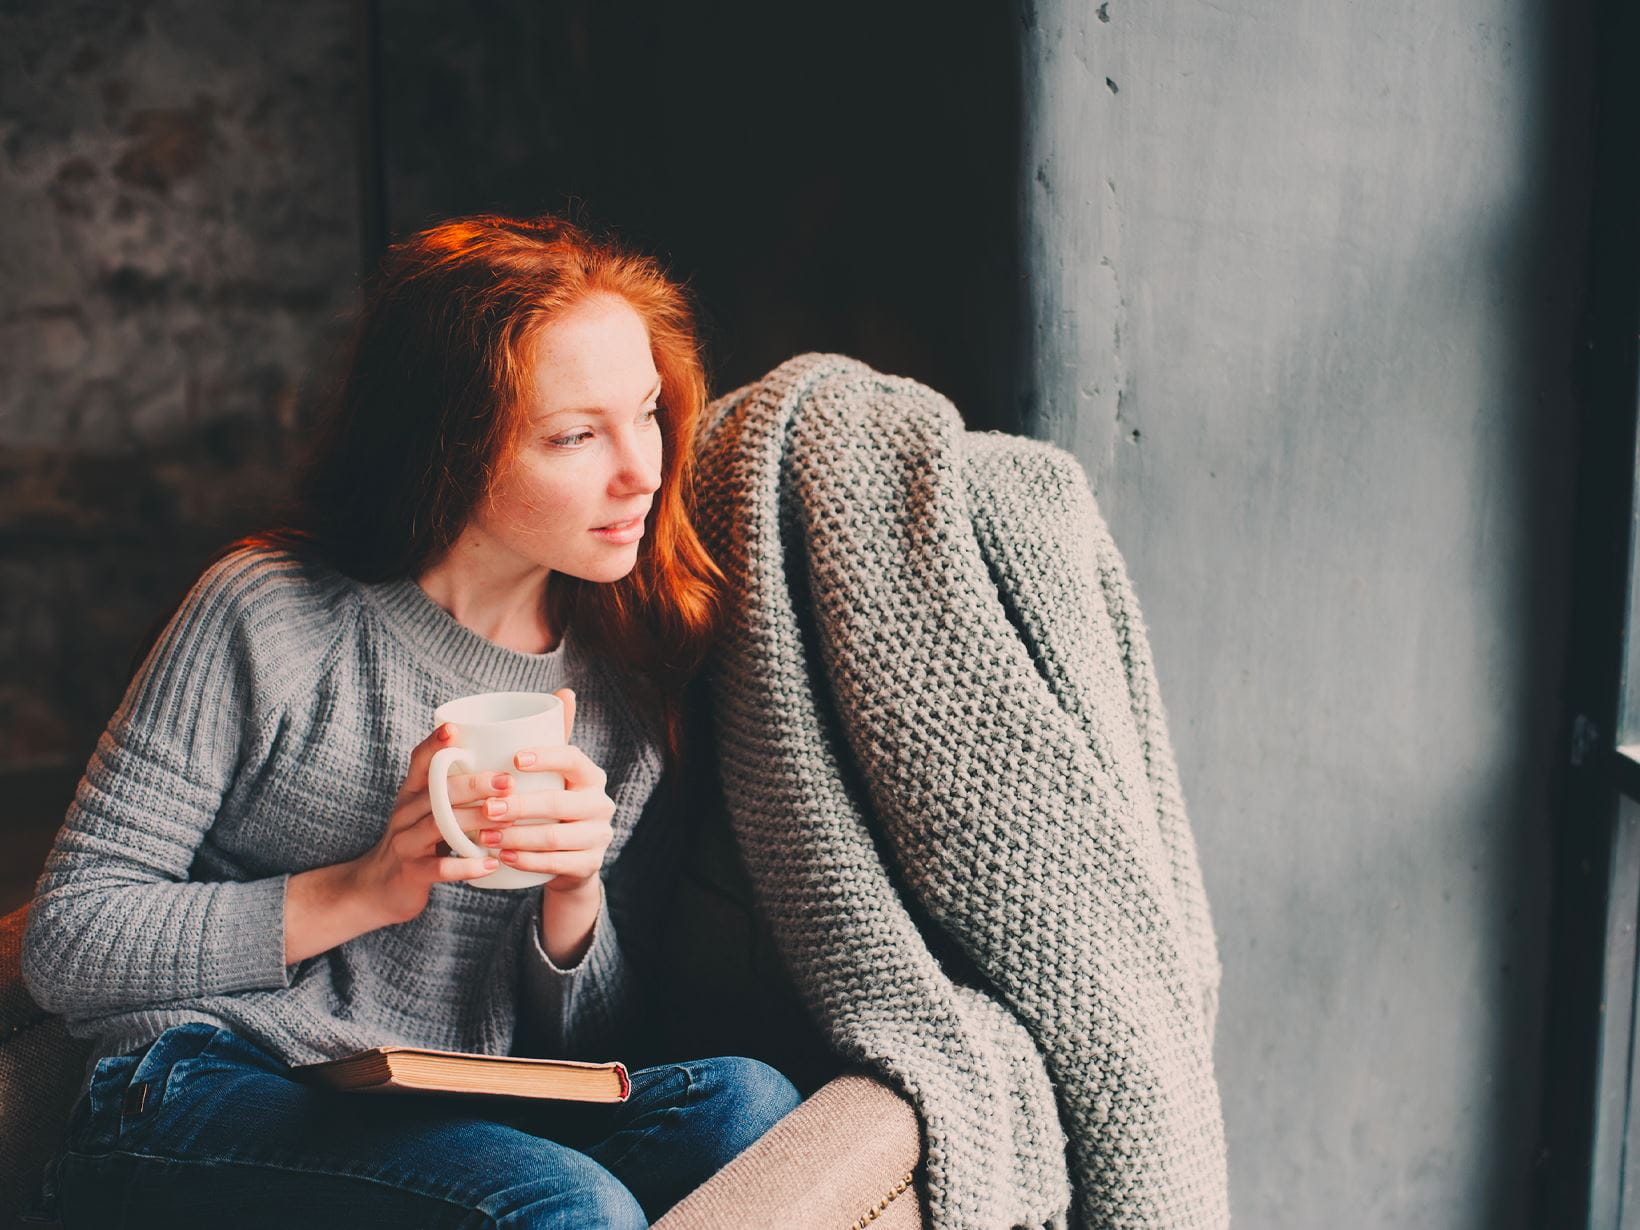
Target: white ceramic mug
(491,728)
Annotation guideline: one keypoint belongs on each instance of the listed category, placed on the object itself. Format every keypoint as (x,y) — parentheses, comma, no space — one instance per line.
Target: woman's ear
(568,697)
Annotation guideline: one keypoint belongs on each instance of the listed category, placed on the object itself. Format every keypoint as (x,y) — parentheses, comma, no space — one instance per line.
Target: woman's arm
(324,907)
(392,881)
(116,924)
(593,1007)
(568,920)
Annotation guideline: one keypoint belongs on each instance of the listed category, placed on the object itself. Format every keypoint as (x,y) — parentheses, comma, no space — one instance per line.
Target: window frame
(1591,1056)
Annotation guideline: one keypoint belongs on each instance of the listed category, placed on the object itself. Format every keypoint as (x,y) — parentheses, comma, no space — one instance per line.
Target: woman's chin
(604,572)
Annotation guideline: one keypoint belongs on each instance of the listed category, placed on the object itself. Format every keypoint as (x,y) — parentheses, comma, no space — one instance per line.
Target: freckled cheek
(552,506)
(538,508)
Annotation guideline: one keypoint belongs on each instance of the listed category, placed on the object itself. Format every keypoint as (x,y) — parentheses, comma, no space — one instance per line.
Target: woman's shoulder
(255,569)
(257,627)
(273,591)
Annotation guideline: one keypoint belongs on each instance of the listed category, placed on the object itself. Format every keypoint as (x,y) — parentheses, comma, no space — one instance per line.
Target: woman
(249,876)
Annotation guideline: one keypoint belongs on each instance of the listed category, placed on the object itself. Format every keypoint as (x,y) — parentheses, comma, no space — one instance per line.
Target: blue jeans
(204,1128)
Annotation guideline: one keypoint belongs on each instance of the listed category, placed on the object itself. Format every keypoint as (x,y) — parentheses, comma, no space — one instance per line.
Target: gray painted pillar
(1301,287)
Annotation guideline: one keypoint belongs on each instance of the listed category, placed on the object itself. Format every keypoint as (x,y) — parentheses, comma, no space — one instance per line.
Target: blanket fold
(946,762)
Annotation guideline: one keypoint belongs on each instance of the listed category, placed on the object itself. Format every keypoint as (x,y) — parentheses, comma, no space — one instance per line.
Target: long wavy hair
(433,401)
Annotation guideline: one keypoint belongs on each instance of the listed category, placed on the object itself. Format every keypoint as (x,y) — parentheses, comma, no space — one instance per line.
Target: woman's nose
(639,470)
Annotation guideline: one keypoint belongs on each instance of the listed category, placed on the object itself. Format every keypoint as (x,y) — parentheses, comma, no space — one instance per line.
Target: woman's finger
(559,805)
(571,835)
(578,864)
(415,778)
(424,837)
(469,788)
(464,787)
(452,868)
(474,798)
(418,839)
(579,770)
(568,697)
(418,810)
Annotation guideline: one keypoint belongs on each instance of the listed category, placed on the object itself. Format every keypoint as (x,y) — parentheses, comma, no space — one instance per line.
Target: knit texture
(268,732)
(946,760)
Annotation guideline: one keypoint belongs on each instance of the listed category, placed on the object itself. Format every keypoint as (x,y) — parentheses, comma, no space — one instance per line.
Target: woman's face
(590,456)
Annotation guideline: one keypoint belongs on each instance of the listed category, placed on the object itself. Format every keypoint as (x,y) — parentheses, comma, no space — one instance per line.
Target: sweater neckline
(429,628)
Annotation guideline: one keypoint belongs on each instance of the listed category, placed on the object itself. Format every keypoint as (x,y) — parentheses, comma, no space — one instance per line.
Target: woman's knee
(612,1204)
(587,1196)
(747,1095)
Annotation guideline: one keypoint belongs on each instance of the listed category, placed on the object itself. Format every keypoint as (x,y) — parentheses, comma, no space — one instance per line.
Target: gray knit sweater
(268,732)
(947,763)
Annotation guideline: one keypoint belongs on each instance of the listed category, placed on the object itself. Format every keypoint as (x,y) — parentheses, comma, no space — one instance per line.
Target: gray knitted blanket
(946,761)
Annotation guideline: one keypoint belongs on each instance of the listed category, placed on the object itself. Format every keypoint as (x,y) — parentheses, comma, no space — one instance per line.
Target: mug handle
(438,793)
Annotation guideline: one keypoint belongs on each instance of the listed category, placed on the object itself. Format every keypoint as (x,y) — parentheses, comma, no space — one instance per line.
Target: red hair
(433,401)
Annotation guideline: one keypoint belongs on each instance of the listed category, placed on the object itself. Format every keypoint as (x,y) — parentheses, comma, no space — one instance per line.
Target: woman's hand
(572,850)
(399,872)
(391,882)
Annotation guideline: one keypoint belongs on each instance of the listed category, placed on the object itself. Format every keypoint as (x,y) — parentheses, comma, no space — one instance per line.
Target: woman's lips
(621,531)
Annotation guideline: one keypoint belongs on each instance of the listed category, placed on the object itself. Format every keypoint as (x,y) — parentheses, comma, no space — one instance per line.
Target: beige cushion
(844,1158)
(40,1070)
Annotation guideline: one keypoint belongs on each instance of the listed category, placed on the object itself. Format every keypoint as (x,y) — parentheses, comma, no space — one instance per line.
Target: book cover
(413,1069)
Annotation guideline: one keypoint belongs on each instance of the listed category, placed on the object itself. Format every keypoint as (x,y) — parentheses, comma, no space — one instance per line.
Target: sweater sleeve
(574,1012)
(598,1009)
(116,923)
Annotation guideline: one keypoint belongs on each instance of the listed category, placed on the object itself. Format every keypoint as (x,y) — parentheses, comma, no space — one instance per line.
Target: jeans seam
(671,1113)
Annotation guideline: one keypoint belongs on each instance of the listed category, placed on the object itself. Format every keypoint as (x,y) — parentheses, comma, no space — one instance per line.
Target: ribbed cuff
(243,946)
(566,1002)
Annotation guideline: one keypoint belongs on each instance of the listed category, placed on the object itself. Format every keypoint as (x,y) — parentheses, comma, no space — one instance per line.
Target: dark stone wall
(179,251)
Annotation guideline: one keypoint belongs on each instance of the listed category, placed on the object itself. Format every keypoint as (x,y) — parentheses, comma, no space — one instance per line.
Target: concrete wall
(1303,280)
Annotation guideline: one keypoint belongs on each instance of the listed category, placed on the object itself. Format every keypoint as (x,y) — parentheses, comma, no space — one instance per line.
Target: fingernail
(446,732)
(525,759)
(495,807)
(509,856)
(502,781)
(490,864)
(491,838)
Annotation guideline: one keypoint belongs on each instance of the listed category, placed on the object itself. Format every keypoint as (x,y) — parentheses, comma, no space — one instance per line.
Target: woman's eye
(577,439)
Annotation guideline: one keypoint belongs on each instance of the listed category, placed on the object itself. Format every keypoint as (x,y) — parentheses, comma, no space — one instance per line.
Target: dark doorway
(841,181)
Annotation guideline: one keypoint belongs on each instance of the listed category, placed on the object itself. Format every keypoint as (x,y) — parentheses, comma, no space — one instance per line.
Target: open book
(413,1069)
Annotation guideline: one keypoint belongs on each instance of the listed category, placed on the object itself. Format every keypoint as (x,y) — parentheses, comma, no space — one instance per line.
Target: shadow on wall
(96,548)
